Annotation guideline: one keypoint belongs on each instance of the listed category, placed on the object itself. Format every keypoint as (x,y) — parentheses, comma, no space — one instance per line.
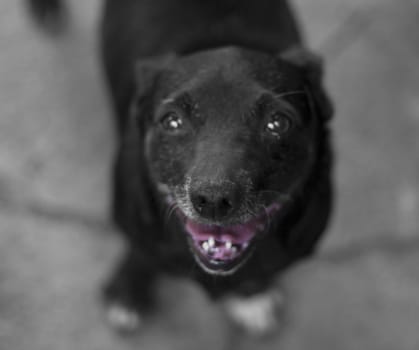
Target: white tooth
(229,245)
(233,250)
(245,245)
(211,242)
(205,246)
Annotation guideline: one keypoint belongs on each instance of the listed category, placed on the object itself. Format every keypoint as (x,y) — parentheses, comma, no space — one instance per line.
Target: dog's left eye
(172,121)
(278,125)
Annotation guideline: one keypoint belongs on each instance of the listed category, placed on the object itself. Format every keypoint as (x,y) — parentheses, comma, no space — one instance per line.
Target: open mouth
(223,249)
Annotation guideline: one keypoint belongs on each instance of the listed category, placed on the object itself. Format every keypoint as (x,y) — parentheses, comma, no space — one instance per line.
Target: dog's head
(230,135)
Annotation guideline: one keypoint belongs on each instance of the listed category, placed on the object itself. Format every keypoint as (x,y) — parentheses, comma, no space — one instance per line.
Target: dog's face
(230,135)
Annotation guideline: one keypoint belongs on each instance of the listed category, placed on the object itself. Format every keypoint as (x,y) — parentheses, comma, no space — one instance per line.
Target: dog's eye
(171,121)
(278,125)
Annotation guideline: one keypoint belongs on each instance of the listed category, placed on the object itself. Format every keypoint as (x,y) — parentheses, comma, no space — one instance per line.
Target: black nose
(216,202)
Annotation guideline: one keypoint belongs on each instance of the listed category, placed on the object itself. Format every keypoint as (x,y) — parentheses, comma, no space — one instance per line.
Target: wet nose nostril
(203,205)
(225,206)
(214,204)
(200,202)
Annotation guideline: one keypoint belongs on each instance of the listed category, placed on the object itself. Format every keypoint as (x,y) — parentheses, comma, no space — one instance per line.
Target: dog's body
(223,163)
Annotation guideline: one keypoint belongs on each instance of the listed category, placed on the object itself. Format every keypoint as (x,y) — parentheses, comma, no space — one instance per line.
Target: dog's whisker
(169,211)
(289,93)
(279,195)
(268,217)
(168,100)
(166,216)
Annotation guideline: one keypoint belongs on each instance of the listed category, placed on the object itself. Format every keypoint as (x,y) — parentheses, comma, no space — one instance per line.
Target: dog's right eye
(171,122)
(278,125)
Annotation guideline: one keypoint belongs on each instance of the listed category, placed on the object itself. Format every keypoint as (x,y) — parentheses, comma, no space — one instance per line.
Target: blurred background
(56,144)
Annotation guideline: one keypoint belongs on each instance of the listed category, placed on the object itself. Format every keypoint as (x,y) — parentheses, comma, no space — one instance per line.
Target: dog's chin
(223,249)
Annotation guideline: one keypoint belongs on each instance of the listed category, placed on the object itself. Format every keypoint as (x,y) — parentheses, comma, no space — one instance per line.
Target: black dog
(224,156)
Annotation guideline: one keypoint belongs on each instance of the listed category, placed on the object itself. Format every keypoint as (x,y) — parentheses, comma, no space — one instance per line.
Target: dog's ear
(146,76)
(134,206)
(312,67)
(148,70)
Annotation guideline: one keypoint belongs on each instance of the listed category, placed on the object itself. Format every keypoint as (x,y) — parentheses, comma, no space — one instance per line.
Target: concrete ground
(56,247)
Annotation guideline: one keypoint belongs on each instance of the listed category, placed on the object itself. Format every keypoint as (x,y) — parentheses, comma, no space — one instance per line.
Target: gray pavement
(56,144)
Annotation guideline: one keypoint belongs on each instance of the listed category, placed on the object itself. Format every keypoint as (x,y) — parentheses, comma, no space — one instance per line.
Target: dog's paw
(124,319)
(258,314)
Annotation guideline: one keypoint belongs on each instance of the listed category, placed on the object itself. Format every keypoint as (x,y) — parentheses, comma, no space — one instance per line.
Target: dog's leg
(129,294)
(257,314)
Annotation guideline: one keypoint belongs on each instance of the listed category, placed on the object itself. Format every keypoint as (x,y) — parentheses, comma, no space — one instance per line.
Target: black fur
(231,58)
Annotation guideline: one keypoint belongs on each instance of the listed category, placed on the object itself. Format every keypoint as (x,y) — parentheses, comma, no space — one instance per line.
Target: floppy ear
(312,66)
(146,74)
(148,70)
(134,206)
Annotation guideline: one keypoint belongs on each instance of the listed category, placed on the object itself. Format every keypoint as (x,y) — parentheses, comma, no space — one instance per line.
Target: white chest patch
(257,314)
(123,319)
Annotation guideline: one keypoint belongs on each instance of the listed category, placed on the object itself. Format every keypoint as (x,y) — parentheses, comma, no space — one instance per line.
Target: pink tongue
(237,234)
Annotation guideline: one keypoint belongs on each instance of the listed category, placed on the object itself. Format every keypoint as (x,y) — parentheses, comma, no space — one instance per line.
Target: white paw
(257,314)
(123,319)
